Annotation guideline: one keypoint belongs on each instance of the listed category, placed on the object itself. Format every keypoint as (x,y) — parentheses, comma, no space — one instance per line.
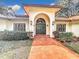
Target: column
(52,26)
(32,25)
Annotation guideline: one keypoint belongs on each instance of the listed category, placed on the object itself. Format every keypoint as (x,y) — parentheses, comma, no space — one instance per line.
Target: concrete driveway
(44,47)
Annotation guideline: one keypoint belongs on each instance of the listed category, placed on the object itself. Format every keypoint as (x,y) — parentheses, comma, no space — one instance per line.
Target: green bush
(56,34)
(66,36)
(9,35)
(73,46)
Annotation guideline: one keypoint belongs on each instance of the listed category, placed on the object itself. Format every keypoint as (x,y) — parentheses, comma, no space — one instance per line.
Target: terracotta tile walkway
(44,47)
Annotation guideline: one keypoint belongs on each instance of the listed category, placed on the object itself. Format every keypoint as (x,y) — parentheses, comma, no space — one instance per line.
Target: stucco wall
(10,27)
(2,24)
(68,25)
(43,9)
(48,17)
(75,29)
(47,20)
(35,11)
(6,24)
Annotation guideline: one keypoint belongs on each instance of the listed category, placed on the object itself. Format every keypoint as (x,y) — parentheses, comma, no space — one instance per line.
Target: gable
(41,8)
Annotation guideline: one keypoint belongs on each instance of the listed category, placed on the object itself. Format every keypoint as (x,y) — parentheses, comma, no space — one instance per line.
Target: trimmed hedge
(56,34)
(10,35)
(73,46)
(68,36)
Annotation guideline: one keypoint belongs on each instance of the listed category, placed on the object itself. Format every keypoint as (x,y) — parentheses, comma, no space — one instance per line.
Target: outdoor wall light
(31,22)
(53,23)
(47,25)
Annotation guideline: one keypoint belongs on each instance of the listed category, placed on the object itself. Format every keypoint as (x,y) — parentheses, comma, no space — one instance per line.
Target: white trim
(35,21)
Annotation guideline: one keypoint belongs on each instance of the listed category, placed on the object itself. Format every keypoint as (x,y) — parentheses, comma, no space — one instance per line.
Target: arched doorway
(40,26)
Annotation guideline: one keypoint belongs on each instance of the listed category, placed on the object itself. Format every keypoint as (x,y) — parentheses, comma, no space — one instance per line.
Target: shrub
(56,34)
(73,46)
(9,35)
(75,39)
(66,36)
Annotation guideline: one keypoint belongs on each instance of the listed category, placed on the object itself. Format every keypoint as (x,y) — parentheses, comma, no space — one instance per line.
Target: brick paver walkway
(44,47)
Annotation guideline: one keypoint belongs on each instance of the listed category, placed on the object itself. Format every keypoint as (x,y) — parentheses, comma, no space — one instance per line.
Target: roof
(61,18)
(22,15)
(74,17)
(40,5)
(15,17)
(70,19)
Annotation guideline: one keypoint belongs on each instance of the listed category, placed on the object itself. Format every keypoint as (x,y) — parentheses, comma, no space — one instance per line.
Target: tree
(70,7)
(62,3)
(6,11)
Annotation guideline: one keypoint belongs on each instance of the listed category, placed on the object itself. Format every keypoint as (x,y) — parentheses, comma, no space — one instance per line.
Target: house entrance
(40,26)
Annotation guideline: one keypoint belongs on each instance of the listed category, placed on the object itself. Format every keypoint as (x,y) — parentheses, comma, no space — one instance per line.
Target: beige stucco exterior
(75,29)
(48,14)
(7,24)
(68,25)
(72,24)
(47,20)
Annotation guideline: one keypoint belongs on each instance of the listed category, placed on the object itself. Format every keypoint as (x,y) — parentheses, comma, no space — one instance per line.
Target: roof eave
(39,5)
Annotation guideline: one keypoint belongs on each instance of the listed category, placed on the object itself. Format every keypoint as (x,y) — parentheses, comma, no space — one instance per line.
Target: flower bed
(64,37)
(73,46)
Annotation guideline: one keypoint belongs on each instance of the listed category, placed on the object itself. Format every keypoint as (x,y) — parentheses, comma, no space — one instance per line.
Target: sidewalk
(44,47)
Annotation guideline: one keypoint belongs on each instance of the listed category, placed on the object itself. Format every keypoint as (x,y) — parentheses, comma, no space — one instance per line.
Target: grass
(10,45)
(15,49)
(73,46)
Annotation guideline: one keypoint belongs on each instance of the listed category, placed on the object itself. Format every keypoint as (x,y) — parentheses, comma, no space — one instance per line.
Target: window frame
(61,27)
(17,26)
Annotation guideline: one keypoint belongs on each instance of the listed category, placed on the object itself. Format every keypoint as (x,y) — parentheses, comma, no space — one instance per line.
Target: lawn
(10,45)
(73,46)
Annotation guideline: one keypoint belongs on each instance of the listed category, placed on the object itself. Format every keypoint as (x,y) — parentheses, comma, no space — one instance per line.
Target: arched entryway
(40,26)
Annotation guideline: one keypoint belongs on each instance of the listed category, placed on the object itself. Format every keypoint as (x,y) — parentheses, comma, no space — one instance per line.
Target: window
(19,26)
(61,27)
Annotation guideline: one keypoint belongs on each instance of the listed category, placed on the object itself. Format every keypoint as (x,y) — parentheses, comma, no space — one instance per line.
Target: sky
(20,3)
